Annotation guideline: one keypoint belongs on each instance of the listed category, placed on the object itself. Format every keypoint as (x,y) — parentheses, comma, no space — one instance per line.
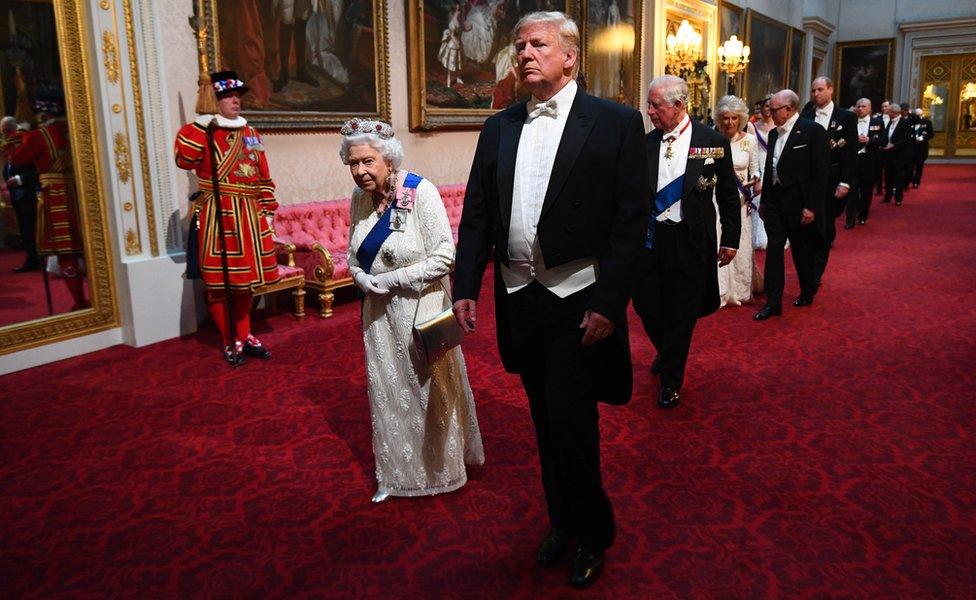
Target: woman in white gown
(424,425)
(761,128)
(478,35)
(735,278)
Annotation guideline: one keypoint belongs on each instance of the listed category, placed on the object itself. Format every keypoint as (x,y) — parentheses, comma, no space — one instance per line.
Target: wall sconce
(733,57)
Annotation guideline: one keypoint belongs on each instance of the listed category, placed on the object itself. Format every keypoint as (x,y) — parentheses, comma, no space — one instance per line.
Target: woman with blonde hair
(735,278)
(401,252)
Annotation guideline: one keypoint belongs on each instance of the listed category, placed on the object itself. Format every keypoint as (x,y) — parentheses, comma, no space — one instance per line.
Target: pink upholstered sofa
(320,233)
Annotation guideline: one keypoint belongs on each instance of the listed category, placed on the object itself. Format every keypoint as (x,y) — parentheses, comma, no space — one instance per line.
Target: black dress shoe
(767,312)
(656,366)
(552,548)
(587,566)
(862,222)
(897,202)
(849,225)
(257,351)
(801,301)
(235,358)
(669,397)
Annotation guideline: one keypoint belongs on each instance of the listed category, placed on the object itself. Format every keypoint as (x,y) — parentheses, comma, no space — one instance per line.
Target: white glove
(392,280)
(368,284)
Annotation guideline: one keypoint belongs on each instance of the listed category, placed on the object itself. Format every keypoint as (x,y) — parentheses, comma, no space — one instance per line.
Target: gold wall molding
(111,53)
(132,245)
(122,162)
(76,68)
(140,128)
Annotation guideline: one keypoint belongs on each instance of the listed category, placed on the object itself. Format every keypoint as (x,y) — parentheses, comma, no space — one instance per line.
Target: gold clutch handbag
(435,336)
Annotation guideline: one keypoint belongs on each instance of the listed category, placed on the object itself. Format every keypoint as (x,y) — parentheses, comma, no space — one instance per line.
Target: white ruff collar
(204,120)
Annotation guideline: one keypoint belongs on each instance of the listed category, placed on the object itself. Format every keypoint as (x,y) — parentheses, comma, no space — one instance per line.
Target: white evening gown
(424,425)
(759,239)
(735,278)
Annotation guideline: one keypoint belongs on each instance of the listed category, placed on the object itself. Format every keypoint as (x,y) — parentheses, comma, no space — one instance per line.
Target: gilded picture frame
(77,71)
(863,69)
(795,61)
(336,65)
(611,49)
(768,69)
(474,41)
(731,21)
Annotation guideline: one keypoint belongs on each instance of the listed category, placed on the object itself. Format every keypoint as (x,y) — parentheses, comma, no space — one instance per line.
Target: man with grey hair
(678,279)
(21,183)
(558,194)
(792,203)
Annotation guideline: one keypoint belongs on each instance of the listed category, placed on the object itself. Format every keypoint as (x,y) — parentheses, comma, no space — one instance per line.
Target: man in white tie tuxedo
(871,137)
(841,127)
(879,176)
(678,280)
(792,203)
(558,194)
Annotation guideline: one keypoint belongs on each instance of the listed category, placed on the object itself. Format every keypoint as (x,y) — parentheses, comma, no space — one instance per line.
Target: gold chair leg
(299,295)
(326,299)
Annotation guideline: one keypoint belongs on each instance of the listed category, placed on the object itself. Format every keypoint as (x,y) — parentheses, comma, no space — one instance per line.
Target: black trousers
(561,383)
(860,198)
(833,207)
(668,297)
(894,179)
(921,155)
(25,207)
(805,242)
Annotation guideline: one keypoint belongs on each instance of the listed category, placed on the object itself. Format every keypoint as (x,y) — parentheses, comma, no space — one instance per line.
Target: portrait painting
(612,49)
(731,22)
(768,40)
(462,58)
(309,64)
(863,70)
(797,38)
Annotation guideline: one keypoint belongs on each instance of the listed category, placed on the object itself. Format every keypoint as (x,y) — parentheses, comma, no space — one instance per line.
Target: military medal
(398,220)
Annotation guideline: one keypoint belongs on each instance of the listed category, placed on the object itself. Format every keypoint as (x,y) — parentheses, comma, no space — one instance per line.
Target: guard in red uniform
(247,204)
(49,150)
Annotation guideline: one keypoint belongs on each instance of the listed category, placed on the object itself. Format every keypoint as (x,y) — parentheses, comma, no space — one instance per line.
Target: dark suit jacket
(877,139)
(596,206)
(842,137)
(802,169)
(697,210)
(901,136)
(923,129)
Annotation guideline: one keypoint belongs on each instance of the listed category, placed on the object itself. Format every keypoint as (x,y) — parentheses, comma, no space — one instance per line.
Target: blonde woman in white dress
(735,278)
(424,425)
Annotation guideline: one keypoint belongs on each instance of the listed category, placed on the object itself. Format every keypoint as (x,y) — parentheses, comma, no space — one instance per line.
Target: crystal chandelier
(684,49)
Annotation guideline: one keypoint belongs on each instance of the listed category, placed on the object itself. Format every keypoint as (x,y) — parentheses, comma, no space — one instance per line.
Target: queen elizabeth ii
(401,253)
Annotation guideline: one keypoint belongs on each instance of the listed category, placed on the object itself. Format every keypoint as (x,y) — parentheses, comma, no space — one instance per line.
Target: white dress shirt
(782,132)
(670,169)
(533,167)
(863,124)
(892,124)
(886,119)
(823,115)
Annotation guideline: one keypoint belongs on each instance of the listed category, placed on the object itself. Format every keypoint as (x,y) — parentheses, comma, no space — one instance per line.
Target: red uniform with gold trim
(246,197)
(49,149)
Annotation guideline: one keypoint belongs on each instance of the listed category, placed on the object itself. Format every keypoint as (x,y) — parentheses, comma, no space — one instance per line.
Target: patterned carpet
(827,453)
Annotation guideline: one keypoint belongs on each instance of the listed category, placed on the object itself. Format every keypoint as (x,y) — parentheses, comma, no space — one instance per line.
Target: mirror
(55,272)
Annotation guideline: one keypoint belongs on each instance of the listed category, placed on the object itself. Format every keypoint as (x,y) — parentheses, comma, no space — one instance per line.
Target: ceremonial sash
(374,240)
(759,138)
(664,199)
(746,191)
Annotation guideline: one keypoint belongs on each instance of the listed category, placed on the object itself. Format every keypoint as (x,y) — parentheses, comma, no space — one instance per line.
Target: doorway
(947,96)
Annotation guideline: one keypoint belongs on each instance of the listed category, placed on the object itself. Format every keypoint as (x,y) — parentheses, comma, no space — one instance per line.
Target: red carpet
(829,452)
(22,294)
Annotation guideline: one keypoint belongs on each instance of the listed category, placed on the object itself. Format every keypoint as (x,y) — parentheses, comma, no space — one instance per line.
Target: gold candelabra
(733,57)
(684,48)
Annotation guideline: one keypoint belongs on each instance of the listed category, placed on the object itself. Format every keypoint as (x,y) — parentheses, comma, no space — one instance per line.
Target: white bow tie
(544,108)
(822,112)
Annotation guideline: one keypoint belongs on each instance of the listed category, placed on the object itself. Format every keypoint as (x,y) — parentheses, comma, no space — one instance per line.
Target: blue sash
(668,195)
(373,241)
(759,138)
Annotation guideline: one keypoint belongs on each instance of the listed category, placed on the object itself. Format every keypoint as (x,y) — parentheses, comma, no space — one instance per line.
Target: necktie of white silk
(547,108)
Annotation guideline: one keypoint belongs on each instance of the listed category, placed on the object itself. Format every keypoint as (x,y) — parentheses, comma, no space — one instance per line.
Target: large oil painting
(612,49)
(462,58)
(863,70)
(310,64)
(768,41)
